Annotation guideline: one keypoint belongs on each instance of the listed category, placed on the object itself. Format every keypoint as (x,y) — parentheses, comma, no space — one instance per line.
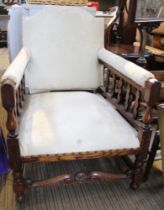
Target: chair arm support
(13,90)
(15,71)
(127,69)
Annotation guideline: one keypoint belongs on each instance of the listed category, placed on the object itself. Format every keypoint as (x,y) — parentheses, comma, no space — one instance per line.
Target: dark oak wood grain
(80,177)
(135,103)
(80,155)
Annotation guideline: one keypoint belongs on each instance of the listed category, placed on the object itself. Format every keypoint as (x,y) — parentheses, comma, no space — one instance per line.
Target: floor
(93,196)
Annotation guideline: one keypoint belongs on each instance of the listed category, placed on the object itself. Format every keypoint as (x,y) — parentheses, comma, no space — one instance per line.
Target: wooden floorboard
(4,62)
(7,197)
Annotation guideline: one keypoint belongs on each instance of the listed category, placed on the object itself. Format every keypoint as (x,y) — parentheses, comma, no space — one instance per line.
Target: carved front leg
(16,165)
(11,100)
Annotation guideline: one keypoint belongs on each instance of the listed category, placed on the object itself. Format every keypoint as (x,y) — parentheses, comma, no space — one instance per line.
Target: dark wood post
(8,92)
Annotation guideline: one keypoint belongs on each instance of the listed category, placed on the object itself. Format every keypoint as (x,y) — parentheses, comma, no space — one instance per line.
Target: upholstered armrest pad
(16,70)
(125,67)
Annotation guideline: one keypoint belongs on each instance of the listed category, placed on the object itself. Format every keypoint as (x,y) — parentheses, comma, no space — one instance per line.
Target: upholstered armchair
(60,107)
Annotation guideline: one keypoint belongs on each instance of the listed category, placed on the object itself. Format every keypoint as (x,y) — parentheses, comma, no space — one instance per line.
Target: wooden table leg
(152,154)
(161,128)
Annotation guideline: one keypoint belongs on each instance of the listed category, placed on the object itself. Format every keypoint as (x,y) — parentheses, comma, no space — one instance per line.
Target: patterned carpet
(93,196)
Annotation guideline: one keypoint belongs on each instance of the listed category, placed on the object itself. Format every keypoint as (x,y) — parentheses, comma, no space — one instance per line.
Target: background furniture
(121,31)
(161,126)
(158,36)
(131,52)
(3,26)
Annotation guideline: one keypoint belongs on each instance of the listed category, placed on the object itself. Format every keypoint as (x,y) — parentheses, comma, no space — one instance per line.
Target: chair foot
(137,172)
(20,197)
(134,186)
(20,185)
(129,173)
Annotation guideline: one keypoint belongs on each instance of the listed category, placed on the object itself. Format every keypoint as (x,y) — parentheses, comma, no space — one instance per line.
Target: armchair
(59,108)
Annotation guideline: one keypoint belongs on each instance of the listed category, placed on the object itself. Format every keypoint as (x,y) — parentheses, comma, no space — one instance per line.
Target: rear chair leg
(20,185)
(137,174)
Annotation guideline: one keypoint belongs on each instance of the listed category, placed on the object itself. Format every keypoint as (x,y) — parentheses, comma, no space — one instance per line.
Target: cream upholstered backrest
(63,43)
(14,29)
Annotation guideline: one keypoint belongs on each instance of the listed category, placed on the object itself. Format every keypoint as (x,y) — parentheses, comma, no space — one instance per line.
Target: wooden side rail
(133,101)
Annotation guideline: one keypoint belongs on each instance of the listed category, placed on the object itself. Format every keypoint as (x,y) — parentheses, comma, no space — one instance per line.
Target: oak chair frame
(135,104)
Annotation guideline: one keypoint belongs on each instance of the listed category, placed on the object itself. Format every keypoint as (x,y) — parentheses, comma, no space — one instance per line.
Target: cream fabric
(65,122)
(14,31)
(16,70)
(64,43)
(127,68)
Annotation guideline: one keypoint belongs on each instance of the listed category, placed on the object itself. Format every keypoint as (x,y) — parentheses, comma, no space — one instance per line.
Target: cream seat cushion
(66,122)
